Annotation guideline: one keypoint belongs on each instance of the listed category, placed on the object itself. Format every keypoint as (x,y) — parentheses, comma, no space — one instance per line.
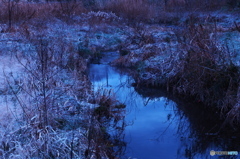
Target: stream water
(157,125)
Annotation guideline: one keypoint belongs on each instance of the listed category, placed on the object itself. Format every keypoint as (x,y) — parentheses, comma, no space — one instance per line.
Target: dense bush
(207,72)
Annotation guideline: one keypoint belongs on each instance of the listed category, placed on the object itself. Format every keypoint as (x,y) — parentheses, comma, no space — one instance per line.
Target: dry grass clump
(129,60)
(107,118)
(101,18)
(206,71)
(109,107)
(27,142)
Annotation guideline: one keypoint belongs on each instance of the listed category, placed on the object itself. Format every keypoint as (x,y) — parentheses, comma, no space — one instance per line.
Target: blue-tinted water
(157,127)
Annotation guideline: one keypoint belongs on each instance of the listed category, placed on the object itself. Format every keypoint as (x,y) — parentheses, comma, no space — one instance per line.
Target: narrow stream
(157,127)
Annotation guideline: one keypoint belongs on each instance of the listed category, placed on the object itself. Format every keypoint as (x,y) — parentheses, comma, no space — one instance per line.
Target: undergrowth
(206,71)
(106,127)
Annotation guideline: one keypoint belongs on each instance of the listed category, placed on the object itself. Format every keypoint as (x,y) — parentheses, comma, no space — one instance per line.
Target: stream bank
(157,123)
(47,99)
(194,61)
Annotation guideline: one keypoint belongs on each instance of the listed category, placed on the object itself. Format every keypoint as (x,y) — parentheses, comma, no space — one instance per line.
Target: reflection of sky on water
(150,121)
(146,119)
(157,130)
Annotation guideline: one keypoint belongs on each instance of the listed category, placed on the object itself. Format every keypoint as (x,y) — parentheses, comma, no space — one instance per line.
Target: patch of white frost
(11,73)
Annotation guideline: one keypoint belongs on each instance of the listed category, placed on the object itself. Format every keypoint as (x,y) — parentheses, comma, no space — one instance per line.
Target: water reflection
(199,130)
(146,117)
(157,127)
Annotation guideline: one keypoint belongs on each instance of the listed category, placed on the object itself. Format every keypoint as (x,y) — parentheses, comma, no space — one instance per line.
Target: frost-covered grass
(45,90)
(192,61)
(41,97)
(47,104)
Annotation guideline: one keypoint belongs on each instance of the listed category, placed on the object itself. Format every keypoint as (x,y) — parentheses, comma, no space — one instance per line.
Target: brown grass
(21,12)
(48,125)
(183,5)
(132,9)
(107,117)
(208,74)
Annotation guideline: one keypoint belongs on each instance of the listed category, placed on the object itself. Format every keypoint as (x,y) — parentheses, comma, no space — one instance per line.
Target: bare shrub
(14,11)
(50,99)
